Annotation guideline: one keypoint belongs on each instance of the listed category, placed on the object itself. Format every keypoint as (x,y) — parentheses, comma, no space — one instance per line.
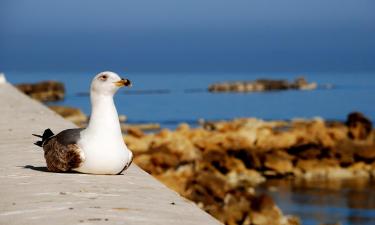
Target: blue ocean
(170,99)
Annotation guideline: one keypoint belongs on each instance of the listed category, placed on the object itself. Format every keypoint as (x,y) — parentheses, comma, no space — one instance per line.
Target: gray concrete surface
(31,195)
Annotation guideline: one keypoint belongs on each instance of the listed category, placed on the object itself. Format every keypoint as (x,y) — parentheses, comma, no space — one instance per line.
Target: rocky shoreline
(219,164)
(44,91)
(261,85)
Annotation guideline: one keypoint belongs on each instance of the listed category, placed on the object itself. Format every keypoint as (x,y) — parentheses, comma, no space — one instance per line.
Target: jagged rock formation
(72,114)
(218,165)
(44,91)
(262,85)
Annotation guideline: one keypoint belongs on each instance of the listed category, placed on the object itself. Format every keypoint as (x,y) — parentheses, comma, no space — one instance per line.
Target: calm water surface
(325,202)
(173,98)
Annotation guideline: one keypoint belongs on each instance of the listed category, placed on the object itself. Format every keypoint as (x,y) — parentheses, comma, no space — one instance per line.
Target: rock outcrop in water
(262,85)
(219,164)
(74,115)
(44,91)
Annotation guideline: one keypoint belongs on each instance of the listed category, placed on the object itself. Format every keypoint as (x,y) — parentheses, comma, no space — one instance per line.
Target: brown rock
(177,179)
(315,164)
(175,144)
(72,114)
(204,187)
(261,85)
(279,161)
(366,153)
(183,127)
(264,211)
(245,178)
(328,169)
(236,209)
(360,170)
(136,132)
(144,161)
(44,91)
(139,145)
(359,126)
(164,160)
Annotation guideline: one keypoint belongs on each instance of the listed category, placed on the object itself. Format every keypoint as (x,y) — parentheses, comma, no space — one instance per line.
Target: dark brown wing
(62,152)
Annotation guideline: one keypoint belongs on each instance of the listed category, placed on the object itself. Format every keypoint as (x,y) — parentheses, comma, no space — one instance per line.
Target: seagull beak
(123,82)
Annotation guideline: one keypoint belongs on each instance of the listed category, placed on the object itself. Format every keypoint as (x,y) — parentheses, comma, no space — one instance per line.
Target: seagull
(97,149)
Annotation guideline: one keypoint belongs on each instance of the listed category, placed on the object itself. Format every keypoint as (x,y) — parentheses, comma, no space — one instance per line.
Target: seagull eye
(103,77)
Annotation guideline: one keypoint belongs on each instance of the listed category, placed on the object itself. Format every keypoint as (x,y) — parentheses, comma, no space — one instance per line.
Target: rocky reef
(219,164)
(44,91)
(70,113)
(299,83)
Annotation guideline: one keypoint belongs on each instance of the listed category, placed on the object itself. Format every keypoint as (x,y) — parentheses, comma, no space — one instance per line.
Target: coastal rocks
(72,114)
(265,211)
(219,181)
(218,164)
(280,162)
(44,91)
(359,126)
(142,127)
(232,204)
(262,85)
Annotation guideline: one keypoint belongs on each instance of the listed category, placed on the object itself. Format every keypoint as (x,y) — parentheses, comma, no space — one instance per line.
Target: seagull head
(107,83)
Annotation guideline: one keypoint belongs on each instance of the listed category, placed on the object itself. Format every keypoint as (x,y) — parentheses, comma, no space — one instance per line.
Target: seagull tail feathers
(47,134)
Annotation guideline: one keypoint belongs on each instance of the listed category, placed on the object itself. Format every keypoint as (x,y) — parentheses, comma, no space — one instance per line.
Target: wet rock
(245,178)
(360,170)
(262,85)
(219,164)
(142,127)
(323,169)
(175,144)
(306,151)
(265,211)
(177,179)
(72,114)
(366,153)
(280,162)
(136,132)
(360,127)
(139,144)
(302,84)
(44,91)
(345,154)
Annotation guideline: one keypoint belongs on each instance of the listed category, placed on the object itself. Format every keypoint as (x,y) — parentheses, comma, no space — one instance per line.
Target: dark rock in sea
(360,127)
(44,91)
(72,114)
(262,85)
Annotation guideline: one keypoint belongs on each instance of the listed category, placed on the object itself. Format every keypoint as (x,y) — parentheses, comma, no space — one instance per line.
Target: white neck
(104,118)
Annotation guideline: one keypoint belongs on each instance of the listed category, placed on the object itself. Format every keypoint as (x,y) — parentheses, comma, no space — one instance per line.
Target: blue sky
(188,36)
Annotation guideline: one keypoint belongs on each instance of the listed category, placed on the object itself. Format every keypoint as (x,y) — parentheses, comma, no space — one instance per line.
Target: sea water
(170,99)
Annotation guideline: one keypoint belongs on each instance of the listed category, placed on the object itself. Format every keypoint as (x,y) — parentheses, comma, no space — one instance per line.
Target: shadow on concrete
(43,169)
(37,168)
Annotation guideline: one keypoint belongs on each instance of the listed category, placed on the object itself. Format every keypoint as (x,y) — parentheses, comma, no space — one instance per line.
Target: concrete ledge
(31,195)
